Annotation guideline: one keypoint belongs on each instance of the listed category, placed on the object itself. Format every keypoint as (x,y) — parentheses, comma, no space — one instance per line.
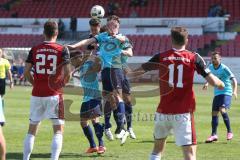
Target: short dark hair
(113,17)
(179,35)
(50,28)
(213,53)
(94,22)
(103,29)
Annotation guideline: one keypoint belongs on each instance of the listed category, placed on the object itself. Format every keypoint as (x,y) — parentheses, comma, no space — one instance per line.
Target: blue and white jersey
(110,50)
(89,82)
(225,75)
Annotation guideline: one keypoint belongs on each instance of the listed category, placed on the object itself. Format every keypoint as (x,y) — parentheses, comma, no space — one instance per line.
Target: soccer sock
(214,125)
(107,115)
(226,121)
(121,114)
(128,114)
(99,133)
(155,157)
(28,146)
(88,133)
(56,146)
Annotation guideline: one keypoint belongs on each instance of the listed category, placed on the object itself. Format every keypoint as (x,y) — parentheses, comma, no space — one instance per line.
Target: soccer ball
(97,12)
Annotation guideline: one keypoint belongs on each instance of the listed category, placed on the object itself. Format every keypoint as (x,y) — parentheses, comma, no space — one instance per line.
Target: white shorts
(181,125)
(47,108)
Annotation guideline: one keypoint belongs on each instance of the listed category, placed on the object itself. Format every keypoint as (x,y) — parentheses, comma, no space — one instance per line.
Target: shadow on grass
(18,156)
(151,141)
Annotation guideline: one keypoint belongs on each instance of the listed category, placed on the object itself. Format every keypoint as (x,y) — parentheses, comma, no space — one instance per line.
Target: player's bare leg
(158,149)
(29,140)
(2,146)
(226,120)
(189,152)
(57,141)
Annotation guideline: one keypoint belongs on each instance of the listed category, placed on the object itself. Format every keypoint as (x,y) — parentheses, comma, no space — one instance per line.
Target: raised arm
(82,43)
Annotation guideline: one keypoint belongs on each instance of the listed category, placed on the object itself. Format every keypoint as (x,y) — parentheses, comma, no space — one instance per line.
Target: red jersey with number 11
(48,60)
(176,73)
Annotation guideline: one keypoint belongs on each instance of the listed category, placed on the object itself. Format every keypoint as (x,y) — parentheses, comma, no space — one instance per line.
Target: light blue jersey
(224,74)
(89,82)
(110,50)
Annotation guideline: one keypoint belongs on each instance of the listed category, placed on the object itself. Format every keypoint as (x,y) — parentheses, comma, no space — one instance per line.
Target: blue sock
(121,114)
(226,121)
(88,133)
(107,115)
(99,133)
(214,125)
(128,115)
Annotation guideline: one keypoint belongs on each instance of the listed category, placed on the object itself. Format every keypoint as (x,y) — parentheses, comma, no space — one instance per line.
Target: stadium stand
(19,40)
(147,45)
(171,8)
(230,48)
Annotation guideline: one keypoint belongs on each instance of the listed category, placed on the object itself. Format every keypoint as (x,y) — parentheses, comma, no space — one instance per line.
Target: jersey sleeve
(7,65)
(228,72)
(66,55)
(127,44)
(30,57)
(200,66)
(152,64)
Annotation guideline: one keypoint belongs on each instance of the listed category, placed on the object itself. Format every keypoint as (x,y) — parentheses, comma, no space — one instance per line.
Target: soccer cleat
(119,135)
(229,136)
(109,134)
(212,139)
(91,150)
(101,149)
(131,133)
(124,138)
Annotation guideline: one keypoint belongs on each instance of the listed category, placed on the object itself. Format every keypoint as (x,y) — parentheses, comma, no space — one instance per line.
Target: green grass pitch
(17,112)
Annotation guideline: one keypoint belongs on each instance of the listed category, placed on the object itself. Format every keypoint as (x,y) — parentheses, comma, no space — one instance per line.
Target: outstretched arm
(214,81)
(84,42)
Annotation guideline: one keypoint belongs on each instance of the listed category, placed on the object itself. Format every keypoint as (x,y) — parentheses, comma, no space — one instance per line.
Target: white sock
(56,146)
(28,146)
(155,157)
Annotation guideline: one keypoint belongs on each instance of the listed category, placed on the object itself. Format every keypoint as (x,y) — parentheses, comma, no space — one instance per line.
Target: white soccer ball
(97,12)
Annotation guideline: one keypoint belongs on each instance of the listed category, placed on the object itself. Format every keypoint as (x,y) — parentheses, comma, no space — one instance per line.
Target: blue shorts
(221,101)
(91,109)
(126,88)
(112,79)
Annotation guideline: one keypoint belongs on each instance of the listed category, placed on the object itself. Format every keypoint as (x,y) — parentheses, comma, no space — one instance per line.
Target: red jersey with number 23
(176,74)
(48,60)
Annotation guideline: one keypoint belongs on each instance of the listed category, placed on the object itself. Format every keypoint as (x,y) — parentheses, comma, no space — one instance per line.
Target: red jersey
(176,73)
(48,60)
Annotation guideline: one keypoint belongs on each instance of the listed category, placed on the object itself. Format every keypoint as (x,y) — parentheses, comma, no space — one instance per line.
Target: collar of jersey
(179,50)
(217,67)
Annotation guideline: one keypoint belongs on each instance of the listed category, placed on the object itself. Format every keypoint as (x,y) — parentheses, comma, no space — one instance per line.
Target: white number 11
(180,75)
